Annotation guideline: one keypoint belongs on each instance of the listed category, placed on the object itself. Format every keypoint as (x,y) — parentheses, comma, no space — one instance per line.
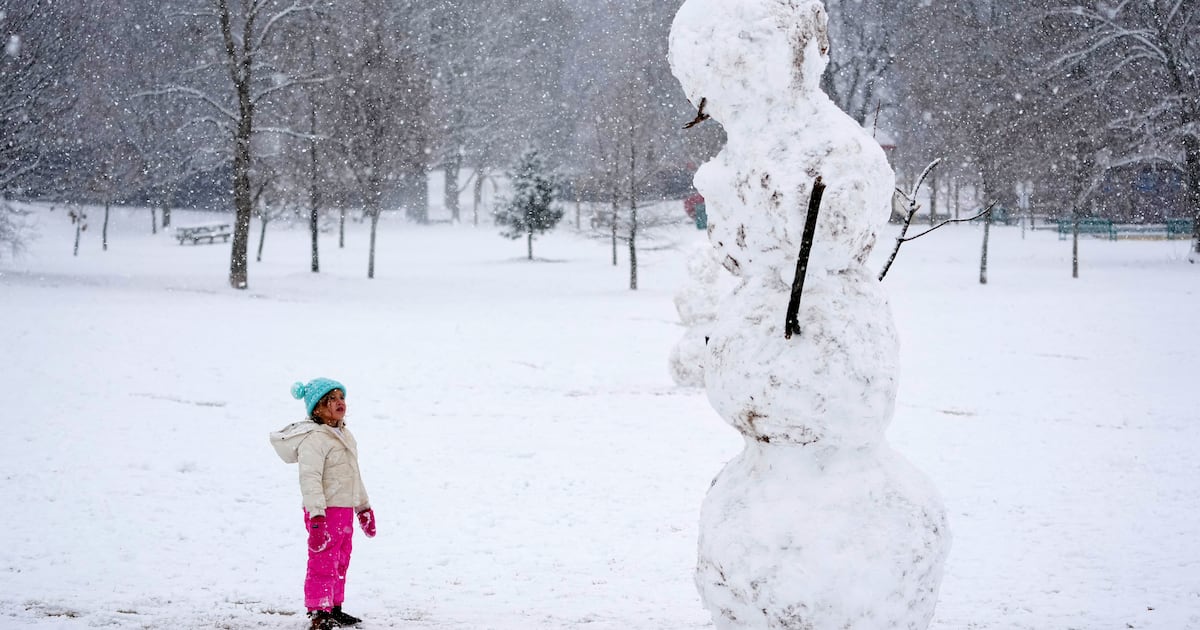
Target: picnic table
(209,231)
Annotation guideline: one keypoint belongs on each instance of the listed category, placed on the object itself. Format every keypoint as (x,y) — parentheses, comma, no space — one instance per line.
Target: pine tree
(529,211)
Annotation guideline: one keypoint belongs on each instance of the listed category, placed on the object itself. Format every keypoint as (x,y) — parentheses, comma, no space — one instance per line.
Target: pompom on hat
(314,391)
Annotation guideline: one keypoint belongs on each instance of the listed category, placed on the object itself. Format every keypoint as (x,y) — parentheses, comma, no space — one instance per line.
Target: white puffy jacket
(329,475)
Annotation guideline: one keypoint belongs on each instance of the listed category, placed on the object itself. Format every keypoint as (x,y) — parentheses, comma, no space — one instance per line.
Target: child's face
(332,408)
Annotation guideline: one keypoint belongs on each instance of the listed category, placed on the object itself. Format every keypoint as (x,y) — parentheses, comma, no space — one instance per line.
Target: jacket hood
(287,440)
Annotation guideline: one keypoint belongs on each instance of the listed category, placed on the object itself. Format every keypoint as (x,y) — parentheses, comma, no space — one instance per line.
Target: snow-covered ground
(531,462)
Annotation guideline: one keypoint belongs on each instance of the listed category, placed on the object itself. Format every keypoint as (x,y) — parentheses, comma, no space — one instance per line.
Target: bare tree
(302,170)
(271,203)
(159,132)
(630,159)
(496,84)
(37,50)
(117,169)
(382,121)
(864,36)
(236,38)
(174,151)
(962,75)
(1149,53)
(636,114)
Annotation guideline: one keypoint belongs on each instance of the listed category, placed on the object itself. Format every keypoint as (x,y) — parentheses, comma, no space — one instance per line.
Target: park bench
(210,232)
(1180,228)
(1087,225)
(1001,214)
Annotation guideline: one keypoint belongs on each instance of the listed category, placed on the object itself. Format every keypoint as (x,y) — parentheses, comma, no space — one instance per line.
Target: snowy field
(531,462)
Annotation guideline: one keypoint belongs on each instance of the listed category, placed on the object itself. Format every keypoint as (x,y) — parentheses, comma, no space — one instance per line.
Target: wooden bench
(210,232)
(1087,225)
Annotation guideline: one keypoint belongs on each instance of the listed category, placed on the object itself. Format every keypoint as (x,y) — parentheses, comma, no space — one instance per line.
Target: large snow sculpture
(817,524)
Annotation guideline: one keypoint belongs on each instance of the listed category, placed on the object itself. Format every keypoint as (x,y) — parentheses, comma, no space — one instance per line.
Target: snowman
(817,524)
(696,303)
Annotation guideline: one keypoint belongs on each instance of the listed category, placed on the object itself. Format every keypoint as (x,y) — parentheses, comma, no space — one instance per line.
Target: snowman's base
(788,542)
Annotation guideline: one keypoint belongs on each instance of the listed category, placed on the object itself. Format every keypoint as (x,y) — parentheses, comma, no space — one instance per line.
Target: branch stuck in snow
(700,115)
(791,324)
(912,211)
(981,213)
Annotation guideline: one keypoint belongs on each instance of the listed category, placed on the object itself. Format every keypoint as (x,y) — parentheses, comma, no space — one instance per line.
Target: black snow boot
(342,618)
(322,620)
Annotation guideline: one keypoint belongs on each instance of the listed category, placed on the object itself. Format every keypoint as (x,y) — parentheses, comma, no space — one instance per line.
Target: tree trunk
(78,230)
(633,229)
(1075,245)
(262,236)
(240,65)
(104,228)
(371,255)
(313,215)
(415,193)
(314,193)
(478,196)
(529,244)
(1192,163)
(153,220)
(167,198)
(633,218)
(452,166)
(956,204)
(987,226)
(933,198)
(1189,116)
(243,206)
(633,249)
(374,208)
(614,231)
(342,228)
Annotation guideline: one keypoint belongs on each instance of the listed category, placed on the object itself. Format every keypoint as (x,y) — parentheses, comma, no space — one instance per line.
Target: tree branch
(791,324)
(286,85)
(700,115)
(948,221)
(190,93)
(275,19)
(912,211)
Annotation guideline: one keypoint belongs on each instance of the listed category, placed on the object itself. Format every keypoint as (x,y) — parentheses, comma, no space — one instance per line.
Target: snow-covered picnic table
(210,231)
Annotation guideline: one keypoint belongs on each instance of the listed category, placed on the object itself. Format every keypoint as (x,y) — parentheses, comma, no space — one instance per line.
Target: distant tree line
(323,105)
(1085,107)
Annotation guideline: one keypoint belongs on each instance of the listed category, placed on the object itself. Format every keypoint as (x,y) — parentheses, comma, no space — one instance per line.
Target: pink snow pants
(325,580)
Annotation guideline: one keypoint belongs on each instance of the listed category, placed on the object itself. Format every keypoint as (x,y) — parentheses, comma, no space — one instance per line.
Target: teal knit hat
(314,391)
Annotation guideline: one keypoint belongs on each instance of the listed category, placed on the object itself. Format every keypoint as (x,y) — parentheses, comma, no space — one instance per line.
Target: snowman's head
(743,53)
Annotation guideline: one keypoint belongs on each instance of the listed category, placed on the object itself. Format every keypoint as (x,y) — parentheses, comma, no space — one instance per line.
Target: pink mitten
(366,520)
(318,534)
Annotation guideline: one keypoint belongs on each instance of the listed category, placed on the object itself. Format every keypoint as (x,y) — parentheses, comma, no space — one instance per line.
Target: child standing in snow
(333,493)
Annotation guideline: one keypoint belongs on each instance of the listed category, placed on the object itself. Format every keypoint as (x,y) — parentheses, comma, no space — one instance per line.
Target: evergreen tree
(529,211)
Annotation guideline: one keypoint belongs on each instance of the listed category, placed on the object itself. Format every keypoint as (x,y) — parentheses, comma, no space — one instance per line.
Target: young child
(333,492)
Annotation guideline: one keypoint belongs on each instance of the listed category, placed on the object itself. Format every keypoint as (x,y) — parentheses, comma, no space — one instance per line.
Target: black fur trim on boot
(342,618)
(321,620)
